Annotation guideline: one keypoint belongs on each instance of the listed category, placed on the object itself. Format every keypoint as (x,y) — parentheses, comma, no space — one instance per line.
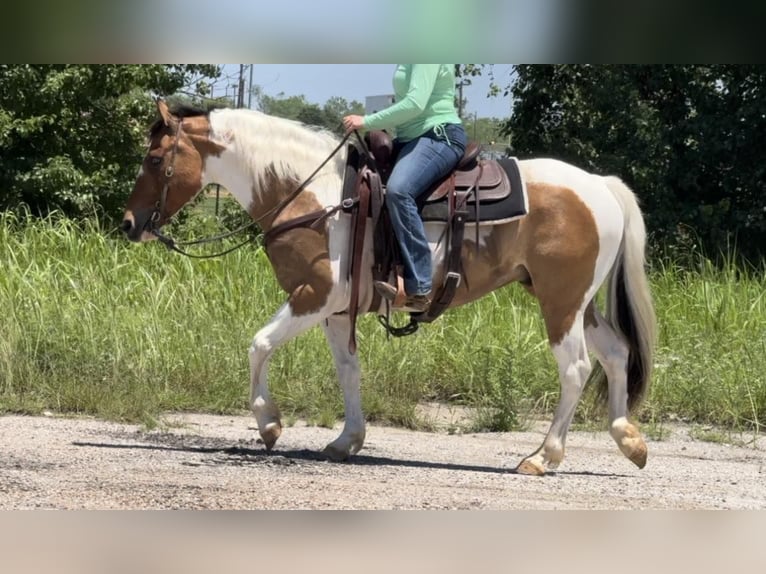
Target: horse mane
(270,146)
(181,111)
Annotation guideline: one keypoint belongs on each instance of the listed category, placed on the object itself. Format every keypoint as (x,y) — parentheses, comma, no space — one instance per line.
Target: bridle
(161,206)
(310,218)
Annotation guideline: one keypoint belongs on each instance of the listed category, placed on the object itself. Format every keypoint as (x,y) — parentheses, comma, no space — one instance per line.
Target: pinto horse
(581,230)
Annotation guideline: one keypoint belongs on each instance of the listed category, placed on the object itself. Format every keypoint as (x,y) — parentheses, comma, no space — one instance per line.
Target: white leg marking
(282,327)
(337,329)
(612,352)
(574,368)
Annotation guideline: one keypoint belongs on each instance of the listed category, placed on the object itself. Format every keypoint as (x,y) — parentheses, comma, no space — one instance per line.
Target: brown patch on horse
(301,261)
(552,252)
(561,252)
(198,130)
(194,147)
(300,257)
(497,262)
(187,161)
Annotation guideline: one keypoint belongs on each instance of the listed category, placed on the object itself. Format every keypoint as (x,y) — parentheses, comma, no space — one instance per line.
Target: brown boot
(415,303)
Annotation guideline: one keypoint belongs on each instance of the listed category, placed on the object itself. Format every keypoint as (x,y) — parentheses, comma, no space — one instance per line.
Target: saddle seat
(470,173)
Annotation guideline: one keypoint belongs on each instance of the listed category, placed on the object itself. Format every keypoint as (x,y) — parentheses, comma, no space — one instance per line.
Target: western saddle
(366,198)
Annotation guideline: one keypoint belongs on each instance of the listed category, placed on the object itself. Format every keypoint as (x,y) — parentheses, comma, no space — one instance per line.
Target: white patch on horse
(226,171)
(260,142)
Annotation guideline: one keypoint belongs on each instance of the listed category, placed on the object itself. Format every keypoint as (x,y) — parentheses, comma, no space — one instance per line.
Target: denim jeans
(420,164)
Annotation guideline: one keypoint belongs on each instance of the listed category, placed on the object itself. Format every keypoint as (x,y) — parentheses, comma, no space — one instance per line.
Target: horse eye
(156,160)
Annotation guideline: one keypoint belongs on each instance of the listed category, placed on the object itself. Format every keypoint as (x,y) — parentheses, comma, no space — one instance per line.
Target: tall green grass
(711,361)
(93,324)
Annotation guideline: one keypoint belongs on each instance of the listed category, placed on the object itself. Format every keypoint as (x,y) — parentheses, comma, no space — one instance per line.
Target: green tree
(486,131)
(336,108)
(298,108)
(282,106)
(687,138)
(72,135)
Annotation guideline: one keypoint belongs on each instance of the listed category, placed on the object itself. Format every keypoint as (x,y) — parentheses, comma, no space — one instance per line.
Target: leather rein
(309,219)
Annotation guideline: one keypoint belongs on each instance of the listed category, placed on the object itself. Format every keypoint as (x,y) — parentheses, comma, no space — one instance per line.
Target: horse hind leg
(613,353)
(337,329)
(574,367)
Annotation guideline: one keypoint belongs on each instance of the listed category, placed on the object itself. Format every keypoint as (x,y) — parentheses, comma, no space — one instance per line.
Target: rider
(430,141)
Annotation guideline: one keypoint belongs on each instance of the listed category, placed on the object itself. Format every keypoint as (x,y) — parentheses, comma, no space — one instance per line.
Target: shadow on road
(222,453)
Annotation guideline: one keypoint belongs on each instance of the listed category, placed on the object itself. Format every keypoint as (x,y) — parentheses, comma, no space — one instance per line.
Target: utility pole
(241,84)
(460,83)
(250,90)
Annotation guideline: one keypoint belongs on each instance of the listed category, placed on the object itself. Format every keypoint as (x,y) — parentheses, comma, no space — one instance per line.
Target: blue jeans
(420,164)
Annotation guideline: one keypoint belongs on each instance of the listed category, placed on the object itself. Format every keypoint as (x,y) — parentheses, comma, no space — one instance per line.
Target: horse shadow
(219,452)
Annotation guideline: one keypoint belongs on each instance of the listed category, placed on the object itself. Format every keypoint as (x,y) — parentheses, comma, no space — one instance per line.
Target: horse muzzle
(138,230)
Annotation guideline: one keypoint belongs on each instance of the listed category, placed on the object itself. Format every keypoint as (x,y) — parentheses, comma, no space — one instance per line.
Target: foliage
(298,108)
(94,324)
(485,131)
(463,75)
(687,138)
(72,135)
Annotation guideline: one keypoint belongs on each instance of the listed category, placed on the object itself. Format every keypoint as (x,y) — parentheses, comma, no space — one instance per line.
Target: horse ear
(162,107)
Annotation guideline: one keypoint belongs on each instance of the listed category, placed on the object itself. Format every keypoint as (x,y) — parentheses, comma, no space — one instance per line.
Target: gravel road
(204,461)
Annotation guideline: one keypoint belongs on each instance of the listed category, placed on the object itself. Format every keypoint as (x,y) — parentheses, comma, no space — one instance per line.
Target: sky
(320,82)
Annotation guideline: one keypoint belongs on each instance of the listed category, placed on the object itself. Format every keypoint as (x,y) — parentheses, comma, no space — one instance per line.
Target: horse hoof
(638,455)
(270,433)
(530,468)
(631,444)
(335,454)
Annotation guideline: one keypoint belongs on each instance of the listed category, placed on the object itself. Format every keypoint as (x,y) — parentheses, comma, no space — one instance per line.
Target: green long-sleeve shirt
(425,98)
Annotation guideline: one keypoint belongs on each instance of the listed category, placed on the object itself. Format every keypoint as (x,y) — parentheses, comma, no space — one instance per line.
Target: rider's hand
(353,122)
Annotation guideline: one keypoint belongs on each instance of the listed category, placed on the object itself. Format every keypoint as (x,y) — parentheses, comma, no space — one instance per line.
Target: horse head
(171,172)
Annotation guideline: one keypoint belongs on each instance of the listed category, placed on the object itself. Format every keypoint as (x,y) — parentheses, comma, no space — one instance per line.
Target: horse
(582,231)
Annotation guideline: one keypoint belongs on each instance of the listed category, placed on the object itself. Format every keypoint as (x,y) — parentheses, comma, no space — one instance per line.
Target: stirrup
(398,332)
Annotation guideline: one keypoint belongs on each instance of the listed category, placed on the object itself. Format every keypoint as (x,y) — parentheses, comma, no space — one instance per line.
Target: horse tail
(629,308)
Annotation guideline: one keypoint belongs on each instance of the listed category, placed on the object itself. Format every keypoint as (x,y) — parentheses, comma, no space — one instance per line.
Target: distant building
(374,104)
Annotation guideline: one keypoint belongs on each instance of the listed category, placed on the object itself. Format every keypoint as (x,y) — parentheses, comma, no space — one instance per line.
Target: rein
(312,218)
(286,201)
(171,244)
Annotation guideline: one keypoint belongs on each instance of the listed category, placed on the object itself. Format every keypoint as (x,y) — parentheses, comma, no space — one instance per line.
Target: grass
(712,345)
(95,325)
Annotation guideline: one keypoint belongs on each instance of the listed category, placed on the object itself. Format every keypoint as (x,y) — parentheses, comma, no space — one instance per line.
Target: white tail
(629,304)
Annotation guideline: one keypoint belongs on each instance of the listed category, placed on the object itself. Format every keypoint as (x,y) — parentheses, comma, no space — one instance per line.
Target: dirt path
(202,461)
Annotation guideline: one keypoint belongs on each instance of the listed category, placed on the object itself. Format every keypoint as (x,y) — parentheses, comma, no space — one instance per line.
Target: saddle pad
(491,210)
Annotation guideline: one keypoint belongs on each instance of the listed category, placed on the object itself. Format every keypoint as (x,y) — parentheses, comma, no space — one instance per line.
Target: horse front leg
(337,329)
(574,367)
(283,326)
